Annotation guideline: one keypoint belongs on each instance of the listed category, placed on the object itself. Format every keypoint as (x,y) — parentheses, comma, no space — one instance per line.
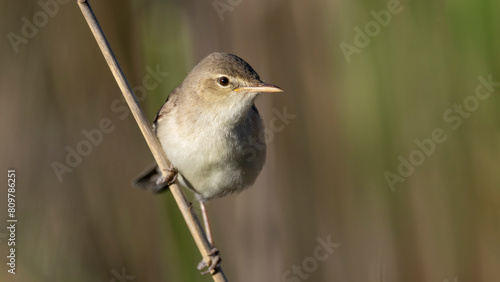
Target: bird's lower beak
(264,87)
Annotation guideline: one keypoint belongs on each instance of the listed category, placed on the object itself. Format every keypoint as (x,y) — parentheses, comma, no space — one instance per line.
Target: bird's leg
(214,253)
(169,176)
(207,223)
(214,262)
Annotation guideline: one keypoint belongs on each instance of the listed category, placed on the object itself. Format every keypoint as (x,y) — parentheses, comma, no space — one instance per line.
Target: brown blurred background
(357,111)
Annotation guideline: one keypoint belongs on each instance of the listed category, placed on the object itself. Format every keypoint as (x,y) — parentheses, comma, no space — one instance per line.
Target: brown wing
(170,103)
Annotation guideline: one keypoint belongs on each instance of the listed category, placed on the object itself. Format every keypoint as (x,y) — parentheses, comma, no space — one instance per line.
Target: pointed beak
(263,87)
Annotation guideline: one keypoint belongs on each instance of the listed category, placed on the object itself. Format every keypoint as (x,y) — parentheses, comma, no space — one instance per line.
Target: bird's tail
(148,178)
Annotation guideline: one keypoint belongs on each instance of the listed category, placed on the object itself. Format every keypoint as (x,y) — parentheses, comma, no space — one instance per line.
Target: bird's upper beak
(263,87)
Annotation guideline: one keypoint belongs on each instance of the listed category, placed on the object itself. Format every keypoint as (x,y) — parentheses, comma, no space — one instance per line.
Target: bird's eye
(223,81)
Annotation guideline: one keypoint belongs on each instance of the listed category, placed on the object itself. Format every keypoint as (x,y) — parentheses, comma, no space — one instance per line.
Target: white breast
(211,161)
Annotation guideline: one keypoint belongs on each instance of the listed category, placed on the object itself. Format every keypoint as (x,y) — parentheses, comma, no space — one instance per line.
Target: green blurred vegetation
(324,174)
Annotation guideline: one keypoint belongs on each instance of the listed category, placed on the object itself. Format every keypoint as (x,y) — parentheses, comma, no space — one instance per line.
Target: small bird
(205,127)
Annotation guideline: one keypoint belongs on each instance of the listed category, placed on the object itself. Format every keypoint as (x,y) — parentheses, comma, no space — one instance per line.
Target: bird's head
(226,82)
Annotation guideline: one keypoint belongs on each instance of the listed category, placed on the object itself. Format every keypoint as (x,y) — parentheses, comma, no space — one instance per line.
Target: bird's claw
(169,177)
(215,259)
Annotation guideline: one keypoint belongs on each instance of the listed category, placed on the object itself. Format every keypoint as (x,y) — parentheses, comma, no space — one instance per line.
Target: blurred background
(383,153)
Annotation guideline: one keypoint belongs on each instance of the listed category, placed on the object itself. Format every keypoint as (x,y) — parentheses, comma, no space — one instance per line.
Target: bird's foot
(169,176)
(215,259)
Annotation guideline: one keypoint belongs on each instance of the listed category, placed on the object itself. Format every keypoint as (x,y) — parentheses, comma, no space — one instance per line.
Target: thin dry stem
(153,143)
